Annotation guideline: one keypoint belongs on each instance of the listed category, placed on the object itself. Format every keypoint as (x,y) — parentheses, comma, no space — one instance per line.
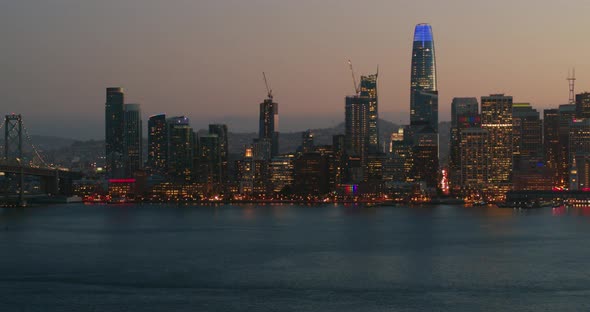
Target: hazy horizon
(205,59)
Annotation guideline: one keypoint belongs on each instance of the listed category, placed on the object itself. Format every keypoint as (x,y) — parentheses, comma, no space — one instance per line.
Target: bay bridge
(54,181)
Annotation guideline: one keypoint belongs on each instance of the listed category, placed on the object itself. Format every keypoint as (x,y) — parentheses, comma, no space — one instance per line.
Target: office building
(269,124)
(114,132)
(496,118)
(583,105)
(133,146)
(222,133)
(551,143)
(368,89)
(423,90)
(180,147)
(527,136)
(157,144)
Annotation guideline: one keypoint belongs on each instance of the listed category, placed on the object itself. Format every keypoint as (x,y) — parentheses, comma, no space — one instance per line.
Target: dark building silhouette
(551,143)
(222,133)
(209,160)
(157,144)
(311,174)
(114,132)
(356,126)
(133,147)
(567,114)
(583,105)
(269,123)
(368,89)
(527,136)
(180,147)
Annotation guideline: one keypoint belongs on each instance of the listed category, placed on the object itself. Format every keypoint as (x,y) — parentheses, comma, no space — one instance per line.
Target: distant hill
(64,149)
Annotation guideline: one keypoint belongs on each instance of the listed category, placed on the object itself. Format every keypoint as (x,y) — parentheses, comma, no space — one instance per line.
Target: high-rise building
(269,124)
(424,107)
(221,131)
(583,106)
(356,126)
(474,161)
(423,90)
(464,115)
(579,151)
(311,176)
(527,136)
(114,132)
(400,158)
(368,89)
(209,159)
(425,157)
(551,143)
(307,144)
(133,147)
(252,175)
(281,173)
(157,144)
(496,117)
(180,144)
(567,114)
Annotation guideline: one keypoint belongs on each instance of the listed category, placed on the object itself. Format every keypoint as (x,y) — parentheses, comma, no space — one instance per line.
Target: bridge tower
(13,147)
(13,137)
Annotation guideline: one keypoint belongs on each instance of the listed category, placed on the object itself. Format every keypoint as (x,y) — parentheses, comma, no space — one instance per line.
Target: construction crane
(356,87)
(268,89)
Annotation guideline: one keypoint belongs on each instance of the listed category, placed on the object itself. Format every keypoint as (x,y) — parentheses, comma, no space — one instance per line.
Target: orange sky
(204,58)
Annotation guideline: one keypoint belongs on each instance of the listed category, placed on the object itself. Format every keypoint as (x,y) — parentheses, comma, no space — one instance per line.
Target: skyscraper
(583,105)
(423,90)
(269,124)
(474,161)
(368,89)
(464,115)
(221,131)
(114,132)
(133,150)
(209,156)
(567,114)
(157,143)
(180,139)
(579,151)
(496,117)
(551,142)
(527,135)
(424,107)
(356,126)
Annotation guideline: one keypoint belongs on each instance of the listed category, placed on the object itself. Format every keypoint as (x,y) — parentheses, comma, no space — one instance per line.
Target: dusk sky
(205,59)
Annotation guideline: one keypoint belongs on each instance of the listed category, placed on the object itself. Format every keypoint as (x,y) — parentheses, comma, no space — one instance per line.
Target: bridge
(54,180)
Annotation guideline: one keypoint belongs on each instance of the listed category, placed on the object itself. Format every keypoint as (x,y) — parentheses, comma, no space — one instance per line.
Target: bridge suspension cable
(35,149)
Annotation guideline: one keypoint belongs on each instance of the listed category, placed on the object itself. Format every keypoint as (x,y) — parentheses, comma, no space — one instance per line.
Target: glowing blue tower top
(423,59)
(423,89)
(423,32)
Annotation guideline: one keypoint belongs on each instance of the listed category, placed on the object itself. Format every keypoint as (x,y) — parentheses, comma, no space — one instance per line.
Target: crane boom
(356,88)
(268,89)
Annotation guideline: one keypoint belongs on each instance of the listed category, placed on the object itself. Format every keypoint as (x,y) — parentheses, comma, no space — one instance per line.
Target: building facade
(496,118)
(114,132)
(133,138)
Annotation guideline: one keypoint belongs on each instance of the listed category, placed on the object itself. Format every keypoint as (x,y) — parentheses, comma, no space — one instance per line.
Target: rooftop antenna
(571,78)
(268,89)
(356,88)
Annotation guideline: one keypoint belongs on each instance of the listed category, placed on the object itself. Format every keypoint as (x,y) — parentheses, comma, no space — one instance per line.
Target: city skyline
(167,64)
